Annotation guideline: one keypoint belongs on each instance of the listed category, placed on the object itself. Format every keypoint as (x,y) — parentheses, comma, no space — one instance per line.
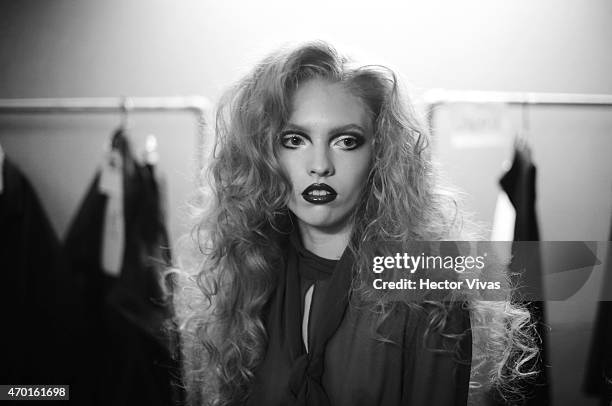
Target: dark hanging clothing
(519,183)
(598,379)
(127,356)
(34,294)
(345,363)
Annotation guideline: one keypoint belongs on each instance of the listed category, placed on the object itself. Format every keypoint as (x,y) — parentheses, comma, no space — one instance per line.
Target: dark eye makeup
(346,141)
(293,139)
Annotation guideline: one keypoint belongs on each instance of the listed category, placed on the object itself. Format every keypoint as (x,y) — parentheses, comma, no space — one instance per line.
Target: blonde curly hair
(241,212)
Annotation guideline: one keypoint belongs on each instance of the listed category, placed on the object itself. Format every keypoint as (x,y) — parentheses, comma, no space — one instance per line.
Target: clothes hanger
(521,142)
(119,140)
(117,158)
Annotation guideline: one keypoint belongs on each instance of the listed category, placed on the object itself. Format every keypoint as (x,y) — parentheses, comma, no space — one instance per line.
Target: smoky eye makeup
(292,139)
(348,141)
(345,138)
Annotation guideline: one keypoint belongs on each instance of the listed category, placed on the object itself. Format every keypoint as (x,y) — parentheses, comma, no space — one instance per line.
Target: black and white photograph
(321,203)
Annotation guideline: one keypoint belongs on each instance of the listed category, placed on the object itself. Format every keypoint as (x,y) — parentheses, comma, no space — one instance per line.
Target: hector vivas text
(410,264)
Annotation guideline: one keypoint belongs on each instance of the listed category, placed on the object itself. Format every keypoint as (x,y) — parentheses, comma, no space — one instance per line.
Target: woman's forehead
(321,103)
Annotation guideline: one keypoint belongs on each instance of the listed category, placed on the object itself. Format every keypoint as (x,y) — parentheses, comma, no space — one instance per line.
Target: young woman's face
(326,150)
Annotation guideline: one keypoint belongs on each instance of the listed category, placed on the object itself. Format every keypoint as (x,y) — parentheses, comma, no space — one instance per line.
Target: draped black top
(352,358)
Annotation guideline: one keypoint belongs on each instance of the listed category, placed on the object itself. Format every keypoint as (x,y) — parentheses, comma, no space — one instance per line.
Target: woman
(316,161)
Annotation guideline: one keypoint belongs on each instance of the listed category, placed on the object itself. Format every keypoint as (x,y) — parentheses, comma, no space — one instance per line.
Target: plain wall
(163,48)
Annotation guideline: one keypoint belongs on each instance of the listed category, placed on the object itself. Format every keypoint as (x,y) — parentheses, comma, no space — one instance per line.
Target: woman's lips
(319,193)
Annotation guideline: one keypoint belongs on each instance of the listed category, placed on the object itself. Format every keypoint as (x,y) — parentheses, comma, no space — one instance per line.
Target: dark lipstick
(319,193)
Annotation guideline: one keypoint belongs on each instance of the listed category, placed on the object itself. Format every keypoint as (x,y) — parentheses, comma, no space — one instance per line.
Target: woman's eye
(347,142)
(292,141)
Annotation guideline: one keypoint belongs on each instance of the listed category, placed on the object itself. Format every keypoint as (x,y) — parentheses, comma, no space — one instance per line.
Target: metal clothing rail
(196,104)
(440,96)
(434,98)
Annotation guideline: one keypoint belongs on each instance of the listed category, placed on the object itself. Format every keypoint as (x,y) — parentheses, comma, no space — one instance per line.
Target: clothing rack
(441,96)
(196,104)
(438,97)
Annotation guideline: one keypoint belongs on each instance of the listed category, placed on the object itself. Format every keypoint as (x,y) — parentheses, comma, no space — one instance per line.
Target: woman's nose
(320,163)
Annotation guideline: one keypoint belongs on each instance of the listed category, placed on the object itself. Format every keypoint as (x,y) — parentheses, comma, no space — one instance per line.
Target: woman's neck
(324,243)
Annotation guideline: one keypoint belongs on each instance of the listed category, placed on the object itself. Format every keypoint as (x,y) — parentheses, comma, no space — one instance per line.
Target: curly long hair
(242,218)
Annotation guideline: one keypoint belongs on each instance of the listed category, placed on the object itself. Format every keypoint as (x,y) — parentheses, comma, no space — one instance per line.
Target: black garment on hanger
(598,379)
(35,294)
(519,183)
(126,352)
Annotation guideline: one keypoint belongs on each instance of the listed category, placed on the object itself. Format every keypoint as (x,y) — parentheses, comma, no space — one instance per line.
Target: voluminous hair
(242,219)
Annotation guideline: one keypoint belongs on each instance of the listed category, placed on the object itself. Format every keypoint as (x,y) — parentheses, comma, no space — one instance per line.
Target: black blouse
(351,361)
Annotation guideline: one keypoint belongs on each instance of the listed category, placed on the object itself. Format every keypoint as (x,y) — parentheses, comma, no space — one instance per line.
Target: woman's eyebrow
(294,127)
(334,130)
(348,127)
